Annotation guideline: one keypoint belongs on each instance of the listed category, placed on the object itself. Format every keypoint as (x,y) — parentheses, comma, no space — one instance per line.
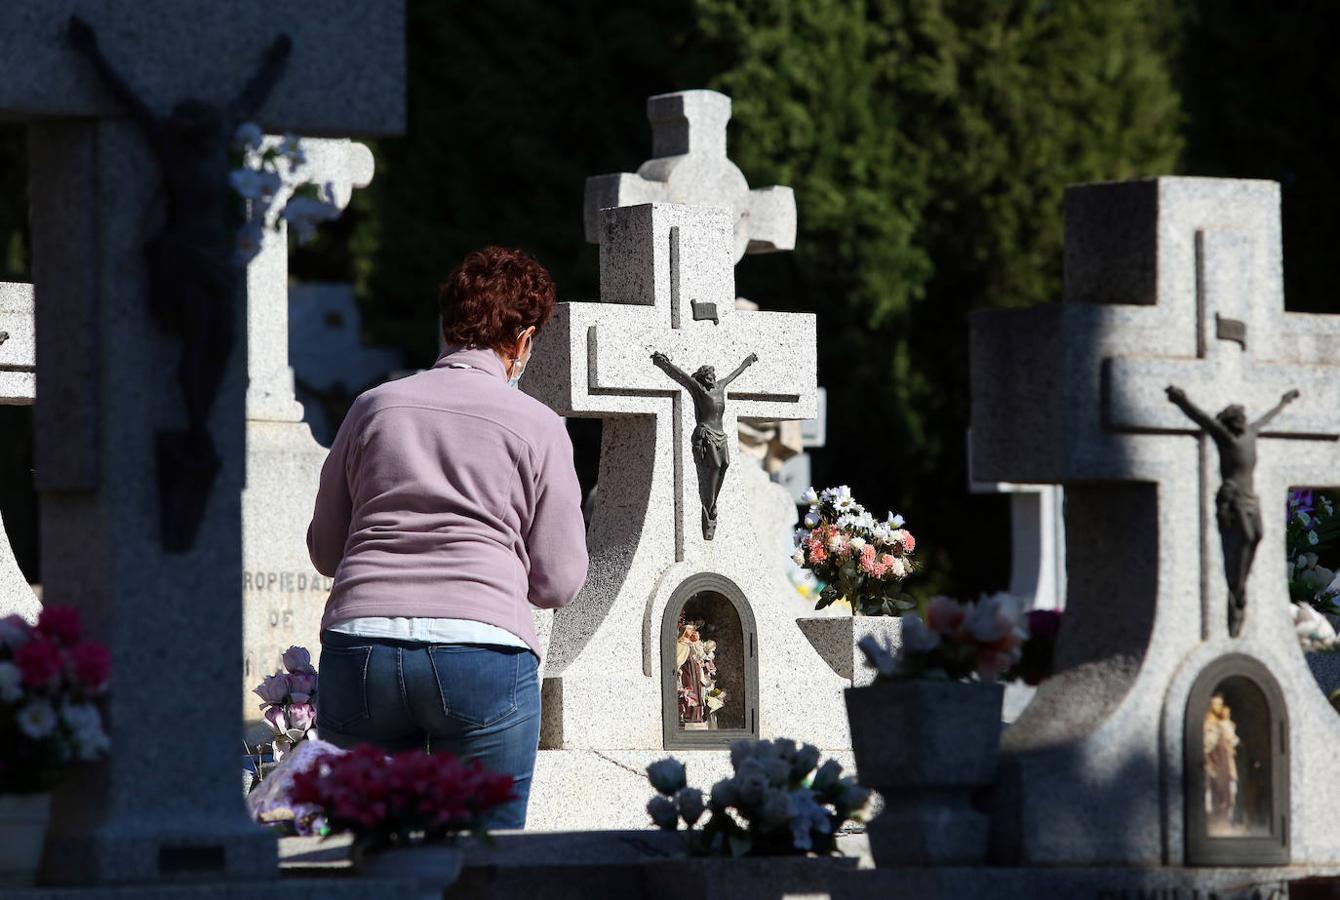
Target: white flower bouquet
(776,803)
(859,559)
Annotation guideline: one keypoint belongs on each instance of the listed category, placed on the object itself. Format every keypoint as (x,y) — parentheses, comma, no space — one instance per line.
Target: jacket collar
(475,358)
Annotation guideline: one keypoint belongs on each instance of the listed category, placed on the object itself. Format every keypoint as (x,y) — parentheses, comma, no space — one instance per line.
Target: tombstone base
(170,849)
(326,888)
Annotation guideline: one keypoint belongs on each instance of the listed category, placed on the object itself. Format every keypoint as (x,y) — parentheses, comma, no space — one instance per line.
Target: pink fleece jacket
(449,494)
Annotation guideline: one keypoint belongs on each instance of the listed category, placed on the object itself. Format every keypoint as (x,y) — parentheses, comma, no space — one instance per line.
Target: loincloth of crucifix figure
(192,275)
(1237,507)
(711,444)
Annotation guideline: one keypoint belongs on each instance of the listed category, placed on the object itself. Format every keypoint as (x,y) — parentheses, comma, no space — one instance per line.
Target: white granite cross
(689,166)
(344,165)
(1232,363)
(17,368)
(667,285)
(1168,281)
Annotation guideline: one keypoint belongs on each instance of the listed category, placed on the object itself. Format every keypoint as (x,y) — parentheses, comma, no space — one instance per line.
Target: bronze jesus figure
(711,444)
(191,269)
(1237,508)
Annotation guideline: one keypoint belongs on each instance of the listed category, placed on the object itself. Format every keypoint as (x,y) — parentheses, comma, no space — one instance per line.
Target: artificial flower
(37,719)
(668,776)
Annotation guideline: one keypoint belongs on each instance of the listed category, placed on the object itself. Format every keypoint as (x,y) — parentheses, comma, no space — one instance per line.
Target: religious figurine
(190,260)
(1237,508)
(696,671)
(711,446)
(1221,767)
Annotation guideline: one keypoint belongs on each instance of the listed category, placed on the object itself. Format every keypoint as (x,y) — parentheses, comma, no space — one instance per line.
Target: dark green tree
(929,142)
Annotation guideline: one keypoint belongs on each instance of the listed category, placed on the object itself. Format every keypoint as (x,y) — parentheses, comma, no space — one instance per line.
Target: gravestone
(1129,755)
(17,374)
(165,806)
(283,595)
(689,167)
(612,701)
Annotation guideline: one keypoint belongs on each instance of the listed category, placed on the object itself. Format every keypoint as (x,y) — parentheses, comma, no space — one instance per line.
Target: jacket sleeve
(329,531)
(556,541)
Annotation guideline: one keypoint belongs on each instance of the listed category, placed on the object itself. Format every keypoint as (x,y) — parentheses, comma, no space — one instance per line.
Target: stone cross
(344,165)
(17,375)
(1167,281)
(689,166)
(667,285)
(283,595)
(160,808)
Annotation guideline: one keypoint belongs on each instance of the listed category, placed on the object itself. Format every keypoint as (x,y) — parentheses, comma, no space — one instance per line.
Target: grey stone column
(166,805)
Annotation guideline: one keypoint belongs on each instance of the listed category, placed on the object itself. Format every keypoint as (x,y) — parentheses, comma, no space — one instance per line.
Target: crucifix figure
(1237,508)
(191,270)
(711,447)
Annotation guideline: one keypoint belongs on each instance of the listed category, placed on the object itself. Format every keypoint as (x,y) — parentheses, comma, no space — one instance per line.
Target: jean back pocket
(478,684)
(342,687)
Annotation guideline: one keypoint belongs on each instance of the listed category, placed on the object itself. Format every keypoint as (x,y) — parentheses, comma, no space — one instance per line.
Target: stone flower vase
(835,638)
(927,747)
(433,867)
(23,828)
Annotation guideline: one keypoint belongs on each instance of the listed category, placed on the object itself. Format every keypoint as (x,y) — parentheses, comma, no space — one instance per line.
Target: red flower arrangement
(408,798)
(50,679)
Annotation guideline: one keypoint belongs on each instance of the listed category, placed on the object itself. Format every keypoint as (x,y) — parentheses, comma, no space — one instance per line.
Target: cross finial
(689,167)
(688,122)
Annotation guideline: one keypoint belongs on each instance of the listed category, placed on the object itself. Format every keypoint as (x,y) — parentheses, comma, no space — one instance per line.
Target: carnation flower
(92,666)
(39,662)
(10,683)
(60,623)
(37,719)
(895,565)
(14,632)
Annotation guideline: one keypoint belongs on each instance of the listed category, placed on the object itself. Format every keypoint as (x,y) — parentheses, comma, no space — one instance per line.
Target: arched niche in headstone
(1237,766)
(709,664)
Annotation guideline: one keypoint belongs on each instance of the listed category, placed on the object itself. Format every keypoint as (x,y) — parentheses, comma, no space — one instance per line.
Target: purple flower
(274,688)
(298,661)
(275,716)
(301,687)
(301,716)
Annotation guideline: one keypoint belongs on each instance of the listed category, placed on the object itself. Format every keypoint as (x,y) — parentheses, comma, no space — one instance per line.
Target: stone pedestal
(17,388)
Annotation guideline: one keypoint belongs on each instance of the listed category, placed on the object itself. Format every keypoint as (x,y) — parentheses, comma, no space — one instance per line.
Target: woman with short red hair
(448,507)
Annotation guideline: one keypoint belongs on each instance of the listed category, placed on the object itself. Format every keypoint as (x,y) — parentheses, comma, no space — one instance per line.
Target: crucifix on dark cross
(192,272)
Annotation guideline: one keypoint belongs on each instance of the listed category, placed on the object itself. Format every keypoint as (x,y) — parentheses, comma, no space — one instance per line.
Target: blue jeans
(473,701)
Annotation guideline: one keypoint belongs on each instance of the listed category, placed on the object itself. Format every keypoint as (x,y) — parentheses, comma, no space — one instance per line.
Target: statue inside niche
(1237,508)
(191,269)
(711,445)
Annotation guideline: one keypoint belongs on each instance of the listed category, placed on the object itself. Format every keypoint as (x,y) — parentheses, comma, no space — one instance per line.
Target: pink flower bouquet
(859,559)
(956,641)
(50,678)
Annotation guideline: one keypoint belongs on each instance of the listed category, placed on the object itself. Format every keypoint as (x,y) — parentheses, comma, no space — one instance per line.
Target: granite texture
(283,596)
(173,622)
(689,166)
(835,638)
(345,74)
(1072,394)
(17,384)
(18,345)
(645,537)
